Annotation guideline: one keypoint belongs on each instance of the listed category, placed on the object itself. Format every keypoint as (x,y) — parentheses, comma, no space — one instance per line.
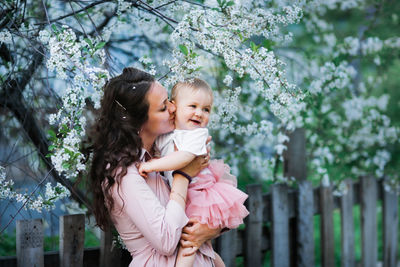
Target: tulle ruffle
(214,199)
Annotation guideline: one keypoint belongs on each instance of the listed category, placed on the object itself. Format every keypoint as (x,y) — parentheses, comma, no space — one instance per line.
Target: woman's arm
(161,226)
(180,183)
(194,234)
(173,161)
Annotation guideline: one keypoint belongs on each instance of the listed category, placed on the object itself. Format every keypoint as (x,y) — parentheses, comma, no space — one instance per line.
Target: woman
(148,215)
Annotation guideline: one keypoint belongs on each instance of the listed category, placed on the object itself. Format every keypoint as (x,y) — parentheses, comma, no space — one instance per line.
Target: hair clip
(119,104)
(134,87)
(124,117)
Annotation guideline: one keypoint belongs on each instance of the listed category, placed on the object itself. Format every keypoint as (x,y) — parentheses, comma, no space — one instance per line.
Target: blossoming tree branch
(275,66)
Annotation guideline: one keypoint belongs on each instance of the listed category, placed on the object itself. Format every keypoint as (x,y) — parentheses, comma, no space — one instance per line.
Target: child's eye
(192,106)
(207,110)
(164,108)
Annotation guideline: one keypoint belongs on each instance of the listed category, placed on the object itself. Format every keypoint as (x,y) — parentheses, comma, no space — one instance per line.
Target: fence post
(327,236)
(30,243)
(294,165)
(253,230)
(347,225)
(305,225)
(295,157)
(369,240)
(109,254)
(72,239)
(390,228)
(280,254)
(226,245)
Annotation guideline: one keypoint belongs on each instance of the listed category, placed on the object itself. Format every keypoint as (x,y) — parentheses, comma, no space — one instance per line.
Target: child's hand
(144,168)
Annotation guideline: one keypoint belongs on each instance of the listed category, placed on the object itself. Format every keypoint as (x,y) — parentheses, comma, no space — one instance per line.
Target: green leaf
(253,46)
(54,27)
(240,36)
(230,3)
(52,133)
(52,147)
(100,45)
(66,165)
(184,49)
(47,202)
(193,55)
(68,151)
(87,40)
(268,44)
(58,190)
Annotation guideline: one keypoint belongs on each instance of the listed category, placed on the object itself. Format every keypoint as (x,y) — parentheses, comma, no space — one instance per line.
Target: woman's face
(161,113)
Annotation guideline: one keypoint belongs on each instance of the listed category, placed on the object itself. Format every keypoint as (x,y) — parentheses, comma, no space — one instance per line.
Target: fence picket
(369,240)
(305,225)
(253,230)
(390,228)
(72,239)
(30,243)
(280,226)
(109,254)
(347,226)
(327,236)
(226,247)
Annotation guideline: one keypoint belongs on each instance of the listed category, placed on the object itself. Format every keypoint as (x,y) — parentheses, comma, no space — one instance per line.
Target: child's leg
(184,261)
(218,261)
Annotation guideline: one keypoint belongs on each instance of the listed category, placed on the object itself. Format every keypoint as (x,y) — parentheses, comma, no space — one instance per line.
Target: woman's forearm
(179,189)
(180,183)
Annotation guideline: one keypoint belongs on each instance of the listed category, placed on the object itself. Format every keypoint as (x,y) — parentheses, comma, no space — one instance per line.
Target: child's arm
(173,161)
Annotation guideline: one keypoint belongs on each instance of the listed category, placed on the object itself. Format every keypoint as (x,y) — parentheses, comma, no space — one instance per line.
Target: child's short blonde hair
(193,83)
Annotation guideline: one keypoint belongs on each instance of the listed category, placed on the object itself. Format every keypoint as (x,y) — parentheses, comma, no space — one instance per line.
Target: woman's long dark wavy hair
(114,137)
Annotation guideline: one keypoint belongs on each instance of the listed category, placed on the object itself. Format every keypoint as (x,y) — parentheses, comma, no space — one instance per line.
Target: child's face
(193,107)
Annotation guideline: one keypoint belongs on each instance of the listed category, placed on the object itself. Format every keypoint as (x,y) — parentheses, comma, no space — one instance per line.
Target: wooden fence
(280,221)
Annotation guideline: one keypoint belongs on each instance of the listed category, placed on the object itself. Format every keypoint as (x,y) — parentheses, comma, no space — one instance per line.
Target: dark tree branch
(74,12)
(5,53)
(108,17)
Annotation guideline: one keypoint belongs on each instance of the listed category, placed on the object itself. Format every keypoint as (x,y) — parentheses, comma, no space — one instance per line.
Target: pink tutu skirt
(214,199)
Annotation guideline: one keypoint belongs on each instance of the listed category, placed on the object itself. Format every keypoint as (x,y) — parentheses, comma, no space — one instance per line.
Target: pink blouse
(150,224)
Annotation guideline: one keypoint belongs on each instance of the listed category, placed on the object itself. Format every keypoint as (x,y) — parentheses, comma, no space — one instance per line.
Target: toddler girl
(212,196)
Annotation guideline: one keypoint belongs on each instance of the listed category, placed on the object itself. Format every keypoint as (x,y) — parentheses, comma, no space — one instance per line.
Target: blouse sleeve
(193,141)
(161,226)
(161,143)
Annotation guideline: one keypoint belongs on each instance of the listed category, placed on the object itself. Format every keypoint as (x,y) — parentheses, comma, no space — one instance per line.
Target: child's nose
(171,107)
(198,112)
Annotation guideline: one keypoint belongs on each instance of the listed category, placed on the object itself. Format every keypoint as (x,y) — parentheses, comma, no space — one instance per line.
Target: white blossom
(5,37)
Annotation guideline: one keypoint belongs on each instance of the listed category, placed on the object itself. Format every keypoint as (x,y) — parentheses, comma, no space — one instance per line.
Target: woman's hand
(194,234)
